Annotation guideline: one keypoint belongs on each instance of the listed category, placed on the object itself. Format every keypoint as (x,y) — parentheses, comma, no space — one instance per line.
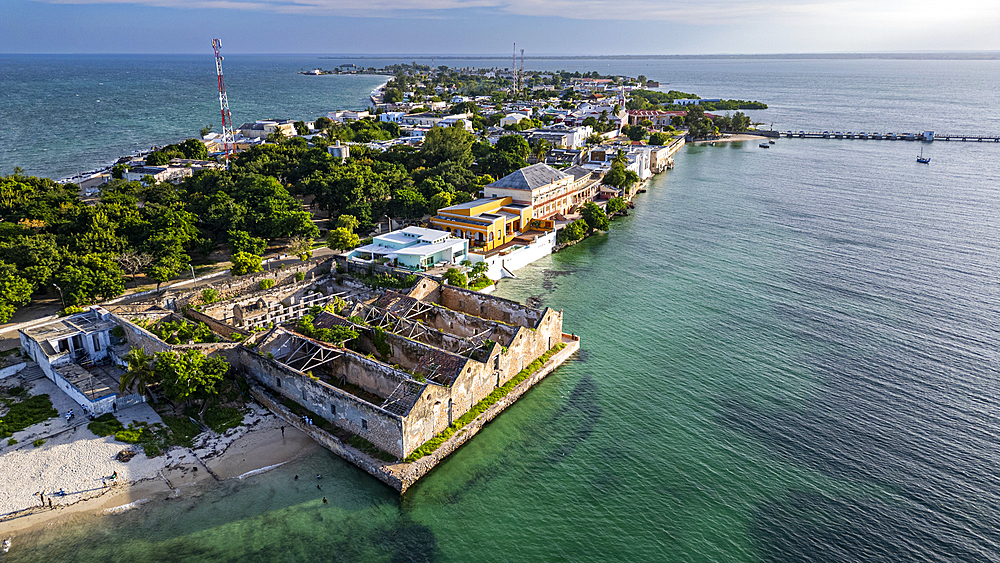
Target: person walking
(282,432)
(324,500)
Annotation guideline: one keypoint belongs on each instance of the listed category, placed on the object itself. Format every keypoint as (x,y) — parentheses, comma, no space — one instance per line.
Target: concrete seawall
(401,476)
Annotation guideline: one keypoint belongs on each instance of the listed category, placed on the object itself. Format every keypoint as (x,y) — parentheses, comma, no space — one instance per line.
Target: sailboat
(921,158)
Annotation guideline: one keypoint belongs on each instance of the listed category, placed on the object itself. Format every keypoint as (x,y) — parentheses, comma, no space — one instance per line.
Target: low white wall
(11,370)
(500,265)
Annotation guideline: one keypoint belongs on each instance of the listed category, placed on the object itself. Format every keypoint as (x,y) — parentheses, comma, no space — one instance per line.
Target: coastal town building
(79,355)
(347,116)
(414,248)
(487,223)
(261,128)
(548,191)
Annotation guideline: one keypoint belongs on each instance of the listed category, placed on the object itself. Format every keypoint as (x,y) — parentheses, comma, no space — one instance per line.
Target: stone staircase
(31,373)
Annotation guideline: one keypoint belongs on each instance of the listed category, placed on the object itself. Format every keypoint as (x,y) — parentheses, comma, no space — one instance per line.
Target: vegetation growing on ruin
(434,443)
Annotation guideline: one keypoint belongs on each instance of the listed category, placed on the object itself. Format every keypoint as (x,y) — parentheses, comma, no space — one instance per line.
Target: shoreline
(243,452)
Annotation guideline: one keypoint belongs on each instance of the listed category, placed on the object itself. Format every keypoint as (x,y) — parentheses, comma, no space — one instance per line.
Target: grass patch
(220,418)
(22,415)
(105,425)
(11,442)
(434,443)
(182,431)
(38,443)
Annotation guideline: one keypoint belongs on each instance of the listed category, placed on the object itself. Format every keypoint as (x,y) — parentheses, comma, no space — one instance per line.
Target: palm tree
(140,372)
(541,149)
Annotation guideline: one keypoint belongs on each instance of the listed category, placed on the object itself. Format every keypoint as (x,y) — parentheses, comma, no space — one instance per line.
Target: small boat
(764,146)
(770,142)
(921,158)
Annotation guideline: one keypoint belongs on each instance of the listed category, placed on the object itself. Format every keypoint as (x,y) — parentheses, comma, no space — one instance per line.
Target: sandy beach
(80,463)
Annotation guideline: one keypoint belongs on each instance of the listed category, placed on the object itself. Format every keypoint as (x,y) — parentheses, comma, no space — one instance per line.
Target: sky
(490,27)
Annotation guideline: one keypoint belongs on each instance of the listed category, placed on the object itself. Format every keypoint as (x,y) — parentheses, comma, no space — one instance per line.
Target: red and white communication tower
(228,139)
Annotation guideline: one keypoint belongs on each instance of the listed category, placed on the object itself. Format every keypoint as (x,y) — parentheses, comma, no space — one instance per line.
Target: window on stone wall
(333,409)
(482,310)
(364,424)
(278,380)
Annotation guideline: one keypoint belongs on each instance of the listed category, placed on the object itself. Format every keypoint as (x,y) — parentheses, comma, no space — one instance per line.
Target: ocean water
(788,355)
(74,113)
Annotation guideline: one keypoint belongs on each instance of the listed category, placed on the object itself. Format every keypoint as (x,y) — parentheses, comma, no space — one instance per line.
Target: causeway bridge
(922,136)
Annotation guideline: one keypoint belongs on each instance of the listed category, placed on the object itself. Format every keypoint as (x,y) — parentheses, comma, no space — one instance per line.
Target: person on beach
(282,432)
(50,503)
(324,500)
(319,475)
(296,477)
(114,475)
(318,487)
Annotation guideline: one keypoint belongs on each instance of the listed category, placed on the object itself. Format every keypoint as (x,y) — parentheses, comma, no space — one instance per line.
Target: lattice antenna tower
(228,138)
(513,67)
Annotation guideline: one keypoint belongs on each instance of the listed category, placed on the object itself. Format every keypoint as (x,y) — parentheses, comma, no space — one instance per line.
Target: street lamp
(61,298)
(388,224)
(192,271)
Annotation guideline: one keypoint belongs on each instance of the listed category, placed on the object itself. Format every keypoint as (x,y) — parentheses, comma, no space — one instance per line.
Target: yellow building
(487,223)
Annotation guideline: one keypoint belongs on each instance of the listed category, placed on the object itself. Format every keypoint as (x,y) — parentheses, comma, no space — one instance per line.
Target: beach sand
(76,461)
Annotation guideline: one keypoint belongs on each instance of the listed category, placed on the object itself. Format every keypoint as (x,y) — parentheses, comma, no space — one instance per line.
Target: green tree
(301,128)
(616,205)
(502,163)
(245,263)
(140,374)
(409,204)
(241,241)
(439,200)
(349,222)
(206,130)
(456,278)
(342,239)
(301,247)
(89,278)
(634,132)
(14,291)
(189,375)
(595,217)
(514,144)
(659,138)
(443,144)
(571,232)
(193,149)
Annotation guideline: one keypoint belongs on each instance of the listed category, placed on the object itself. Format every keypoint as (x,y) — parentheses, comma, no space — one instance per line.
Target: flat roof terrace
(95,382)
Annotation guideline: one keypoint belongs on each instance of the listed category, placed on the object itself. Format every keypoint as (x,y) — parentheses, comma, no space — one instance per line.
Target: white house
(512,119)
(414,248)
(70,351)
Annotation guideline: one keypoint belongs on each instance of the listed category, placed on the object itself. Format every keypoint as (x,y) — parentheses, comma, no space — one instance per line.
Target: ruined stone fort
(424,356)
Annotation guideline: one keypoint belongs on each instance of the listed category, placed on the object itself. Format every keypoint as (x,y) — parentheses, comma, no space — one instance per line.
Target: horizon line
(935,54)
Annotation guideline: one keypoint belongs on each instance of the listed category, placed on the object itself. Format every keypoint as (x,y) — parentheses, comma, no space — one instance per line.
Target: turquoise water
(788,355)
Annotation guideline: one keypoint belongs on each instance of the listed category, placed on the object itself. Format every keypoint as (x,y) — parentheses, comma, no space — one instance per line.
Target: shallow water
(788,355)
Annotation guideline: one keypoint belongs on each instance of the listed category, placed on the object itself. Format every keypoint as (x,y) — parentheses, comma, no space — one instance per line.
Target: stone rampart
(401,476)
(374,467)
(409,473)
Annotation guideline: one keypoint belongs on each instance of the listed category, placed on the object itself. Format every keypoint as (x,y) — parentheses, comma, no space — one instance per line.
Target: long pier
(923,136)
